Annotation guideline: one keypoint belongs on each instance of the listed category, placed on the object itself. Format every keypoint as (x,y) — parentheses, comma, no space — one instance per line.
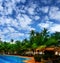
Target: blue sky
(19,17)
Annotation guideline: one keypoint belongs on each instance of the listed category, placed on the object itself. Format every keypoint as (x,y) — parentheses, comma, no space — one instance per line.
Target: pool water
(11,59)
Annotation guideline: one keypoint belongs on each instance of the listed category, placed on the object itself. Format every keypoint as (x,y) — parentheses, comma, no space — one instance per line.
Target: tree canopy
(36,39)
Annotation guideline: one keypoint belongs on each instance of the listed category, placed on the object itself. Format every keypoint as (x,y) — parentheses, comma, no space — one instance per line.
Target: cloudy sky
(19,17)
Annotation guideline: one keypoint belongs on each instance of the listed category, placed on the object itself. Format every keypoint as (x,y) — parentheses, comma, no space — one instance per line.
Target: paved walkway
(31,61)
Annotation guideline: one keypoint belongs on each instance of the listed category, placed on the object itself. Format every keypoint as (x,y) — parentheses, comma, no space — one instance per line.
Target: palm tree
(6,47)
(18,46)
(56,36)
(38,38)
(12,48)
(0,41)
(32,35)
(45,35)
(1,47)
(12,41)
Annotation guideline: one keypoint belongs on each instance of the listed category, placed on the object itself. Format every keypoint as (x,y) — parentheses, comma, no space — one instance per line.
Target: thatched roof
(53,49)
(50,49)
(57,49)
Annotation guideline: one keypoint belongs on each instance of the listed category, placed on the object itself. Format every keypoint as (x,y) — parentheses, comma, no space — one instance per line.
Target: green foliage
(37,57)
(41,47)
(48,54)
(51,41)
(36,40)
(34,46)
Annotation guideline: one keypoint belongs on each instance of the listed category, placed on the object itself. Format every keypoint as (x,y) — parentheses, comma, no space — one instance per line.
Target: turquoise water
(11,59)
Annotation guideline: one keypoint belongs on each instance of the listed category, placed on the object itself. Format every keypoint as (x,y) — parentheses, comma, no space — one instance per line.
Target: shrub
(37,57)
(48,54)
(45,57)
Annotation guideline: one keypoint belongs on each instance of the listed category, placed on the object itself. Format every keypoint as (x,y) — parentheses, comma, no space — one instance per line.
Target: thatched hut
(57,51)
(54,49)
(41,49)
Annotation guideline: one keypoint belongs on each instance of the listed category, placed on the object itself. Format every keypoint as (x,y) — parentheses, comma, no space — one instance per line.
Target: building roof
(50,48)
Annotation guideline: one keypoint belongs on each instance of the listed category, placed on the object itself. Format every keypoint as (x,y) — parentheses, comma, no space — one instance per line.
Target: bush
(45,57)
(37,57)
(56,59)
(48,54)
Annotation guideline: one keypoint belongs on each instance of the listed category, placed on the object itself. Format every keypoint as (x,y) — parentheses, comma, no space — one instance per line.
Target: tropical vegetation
(36,39)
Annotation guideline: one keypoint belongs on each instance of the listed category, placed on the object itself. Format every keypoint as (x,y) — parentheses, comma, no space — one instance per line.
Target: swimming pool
(11,59)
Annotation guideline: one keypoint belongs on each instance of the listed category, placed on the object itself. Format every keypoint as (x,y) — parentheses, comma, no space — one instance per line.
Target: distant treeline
(36,39)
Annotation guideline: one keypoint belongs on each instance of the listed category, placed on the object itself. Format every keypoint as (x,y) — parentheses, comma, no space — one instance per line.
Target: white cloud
(12,27)
(44,9)
(45,25)
(36,17)
(2,37)
(2,21)
(31,8)
(24,22)
(8,21)
(5,31)
(8,30)
(46,1)
(23,1)
(58,1)
(55,28)
(1,8)
(52,27)
(9,33)
(14,35)
(2,32)
(46,18)
(31,11)
(9,6)
(18,0)
(54,13)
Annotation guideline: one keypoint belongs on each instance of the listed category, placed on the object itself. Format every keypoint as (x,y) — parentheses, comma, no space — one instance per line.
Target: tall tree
(12,40)
(45,35)
(32,35)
